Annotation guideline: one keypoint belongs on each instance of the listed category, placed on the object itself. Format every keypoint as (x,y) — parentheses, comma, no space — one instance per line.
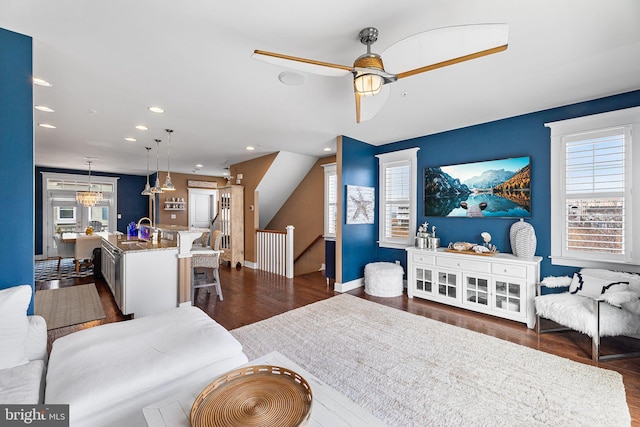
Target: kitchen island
(143,276)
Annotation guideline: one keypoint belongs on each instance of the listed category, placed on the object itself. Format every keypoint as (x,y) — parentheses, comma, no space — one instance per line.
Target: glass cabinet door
(476,290)
(447,284)
(424,280)
(508,295)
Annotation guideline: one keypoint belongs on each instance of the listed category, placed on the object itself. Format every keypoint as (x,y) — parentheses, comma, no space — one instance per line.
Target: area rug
(409,370)
(69,306)
(46,270)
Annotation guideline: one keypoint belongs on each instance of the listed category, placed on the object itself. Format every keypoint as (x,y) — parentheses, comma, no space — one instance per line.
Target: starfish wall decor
(360,204)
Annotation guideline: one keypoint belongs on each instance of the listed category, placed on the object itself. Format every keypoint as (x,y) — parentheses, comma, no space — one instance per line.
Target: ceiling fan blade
(444,46)
(368,106)
(302,64)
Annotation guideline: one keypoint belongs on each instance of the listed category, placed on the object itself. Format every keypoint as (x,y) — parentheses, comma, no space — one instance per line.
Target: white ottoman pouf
(383,279)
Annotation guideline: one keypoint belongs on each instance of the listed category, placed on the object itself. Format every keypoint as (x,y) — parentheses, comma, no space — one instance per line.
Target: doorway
(63,213)
(203,207)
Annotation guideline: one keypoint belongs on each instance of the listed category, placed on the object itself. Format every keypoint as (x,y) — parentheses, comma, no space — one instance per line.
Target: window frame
(566,131)
(386,160)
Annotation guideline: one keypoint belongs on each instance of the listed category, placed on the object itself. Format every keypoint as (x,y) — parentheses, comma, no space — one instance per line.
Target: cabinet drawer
(509,270)
(424,258)
(465,264)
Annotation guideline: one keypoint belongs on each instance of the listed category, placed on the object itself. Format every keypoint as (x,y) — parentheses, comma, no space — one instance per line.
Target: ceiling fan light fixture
(368,84)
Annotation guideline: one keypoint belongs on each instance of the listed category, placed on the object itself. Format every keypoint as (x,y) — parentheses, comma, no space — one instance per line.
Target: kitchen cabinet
(142,276)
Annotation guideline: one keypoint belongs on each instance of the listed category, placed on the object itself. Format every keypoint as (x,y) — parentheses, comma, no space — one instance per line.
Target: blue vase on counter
(132,230)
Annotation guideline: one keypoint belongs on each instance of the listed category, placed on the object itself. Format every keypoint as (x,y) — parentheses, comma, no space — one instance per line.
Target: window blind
(397,198)
(332,203)
(595,192)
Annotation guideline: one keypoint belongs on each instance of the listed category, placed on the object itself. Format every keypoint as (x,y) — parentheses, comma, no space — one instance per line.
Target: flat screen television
(493,188)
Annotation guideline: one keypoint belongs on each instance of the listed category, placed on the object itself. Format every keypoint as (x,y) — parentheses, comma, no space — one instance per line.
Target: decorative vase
(523,240)
(513,231)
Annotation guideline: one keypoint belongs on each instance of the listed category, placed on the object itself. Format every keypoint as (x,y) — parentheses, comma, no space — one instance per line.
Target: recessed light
(199,165)
(326,149)
(156,110)
(130,139)
(44,108)
(41,82)
(46,125)
(250,148)
(142,127)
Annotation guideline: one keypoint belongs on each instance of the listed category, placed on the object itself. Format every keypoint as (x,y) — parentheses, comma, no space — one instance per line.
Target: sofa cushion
(23,384)
(101,369)
(14,325)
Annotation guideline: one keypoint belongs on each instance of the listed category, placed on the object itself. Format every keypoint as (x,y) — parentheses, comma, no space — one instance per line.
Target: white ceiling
(110,60)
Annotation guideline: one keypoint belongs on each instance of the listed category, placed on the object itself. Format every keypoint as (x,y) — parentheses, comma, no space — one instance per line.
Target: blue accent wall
(523,135)
(359,167)
(16,160)
(131,204)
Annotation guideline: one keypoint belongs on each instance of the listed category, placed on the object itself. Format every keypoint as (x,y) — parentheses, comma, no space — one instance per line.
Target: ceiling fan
(415,54)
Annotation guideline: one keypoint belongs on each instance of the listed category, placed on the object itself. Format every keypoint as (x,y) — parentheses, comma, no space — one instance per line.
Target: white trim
(606,265)
(348,286)
(408,155)
(626,118)
(251,265)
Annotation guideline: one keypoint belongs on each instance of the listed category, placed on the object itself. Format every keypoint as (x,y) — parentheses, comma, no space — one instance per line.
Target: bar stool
(207,258)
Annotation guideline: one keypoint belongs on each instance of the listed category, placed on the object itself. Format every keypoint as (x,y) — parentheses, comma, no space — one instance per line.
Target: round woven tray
(261,395)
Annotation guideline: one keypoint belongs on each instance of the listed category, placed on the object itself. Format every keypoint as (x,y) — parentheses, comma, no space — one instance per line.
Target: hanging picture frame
(361,203)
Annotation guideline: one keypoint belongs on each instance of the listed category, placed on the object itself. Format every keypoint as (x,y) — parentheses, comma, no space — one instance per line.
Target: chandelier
(89,198)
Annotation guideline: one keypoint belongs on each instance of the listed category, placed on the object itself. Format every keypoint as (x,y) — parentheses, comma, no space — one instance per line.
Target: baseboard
(348,286)
(251,265)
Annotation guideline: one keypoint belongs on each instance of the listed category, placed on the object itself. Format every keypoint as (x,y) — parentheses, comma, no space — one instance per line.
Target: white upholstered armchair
(598,303)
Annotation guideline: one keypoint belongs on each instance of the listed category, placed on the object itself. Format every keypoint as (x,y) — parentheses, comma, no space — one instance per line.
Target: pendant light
(89,198)
(147,188)
(156,189)
(168,185)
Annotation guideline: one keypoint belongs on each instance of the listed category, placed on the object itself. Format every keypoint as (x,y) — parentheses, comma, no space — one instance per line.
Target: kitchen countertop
(133,244)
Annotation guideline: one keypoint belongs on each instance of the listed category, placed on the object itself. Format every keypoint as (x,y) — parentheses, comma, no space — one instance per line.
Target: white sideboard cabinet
(502,285)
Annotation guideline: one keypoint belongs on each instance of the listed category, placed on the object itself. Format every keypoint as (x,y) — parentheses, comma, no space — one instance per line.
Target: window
(397,206)
(330,200)
(591,205)
(65,214)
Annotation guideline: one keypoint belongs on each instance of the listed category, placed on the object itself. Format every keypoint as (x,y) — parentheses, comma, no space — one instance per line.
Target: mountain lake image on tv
(494,188)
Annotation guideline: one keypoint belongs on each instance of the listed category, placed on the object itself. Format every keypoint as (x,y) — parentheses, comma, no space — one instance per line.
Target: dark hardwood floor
(251,296)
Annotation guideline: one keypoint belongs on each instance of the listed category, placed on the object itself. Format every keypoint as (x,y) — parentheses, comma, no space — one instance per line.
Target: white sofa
(23,340)
(108,373)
